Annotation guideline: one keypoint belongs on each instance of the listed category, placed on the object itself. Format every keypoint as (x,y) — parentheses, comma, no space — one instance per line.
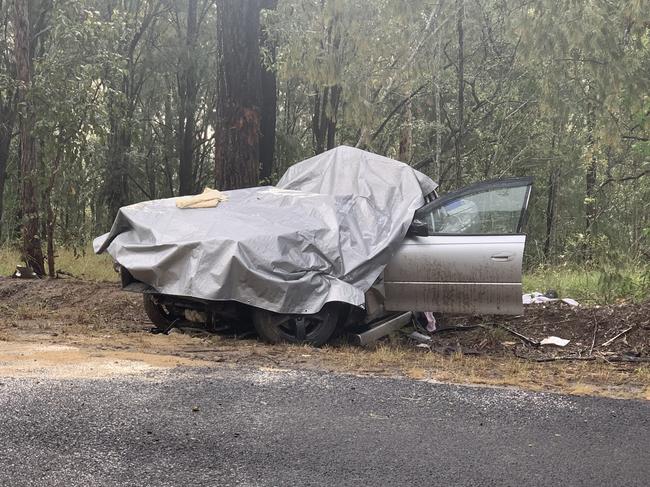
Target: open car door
(464,252)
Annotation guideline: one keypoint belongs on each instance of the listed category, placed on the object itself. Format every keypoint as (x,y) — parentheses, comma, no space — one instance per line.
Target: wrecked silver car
(345,239)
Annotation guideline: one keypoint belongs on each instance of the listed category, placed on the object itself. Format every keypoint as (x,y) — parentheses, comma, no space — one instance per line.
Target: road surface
(264,427)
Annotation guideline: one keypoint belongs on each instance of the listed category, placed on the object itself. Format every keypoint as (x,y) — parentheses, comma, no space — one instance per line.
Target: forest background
(108,102)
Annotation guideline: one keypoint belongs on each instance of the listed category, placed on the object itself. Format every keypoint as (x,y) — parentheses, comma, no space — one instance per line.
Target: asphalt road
(232,426)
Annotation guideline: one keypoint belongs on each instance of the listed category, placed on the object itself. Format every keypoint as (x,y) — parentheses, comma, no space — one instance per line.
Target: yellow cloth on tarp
(208,199)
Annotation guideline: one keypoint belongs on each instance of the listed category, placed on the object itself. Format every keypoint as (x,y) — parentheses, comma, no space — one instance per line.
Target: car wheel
(313,329)
(157,313)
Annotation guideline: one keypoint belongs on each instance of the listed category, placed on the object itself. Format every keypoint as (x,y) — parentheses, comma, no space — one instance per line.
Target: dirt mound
(615,330)
(69,301)
(81,306)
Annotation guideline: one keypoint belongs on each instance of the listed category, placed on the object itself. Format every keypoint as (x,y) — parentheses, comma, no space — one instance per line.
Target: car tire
(315,329)
(158,315)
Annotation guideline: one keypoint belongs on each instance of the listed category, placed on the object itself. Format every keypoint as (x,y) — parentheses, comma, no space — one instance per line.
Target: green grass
(86,265)
(589,285)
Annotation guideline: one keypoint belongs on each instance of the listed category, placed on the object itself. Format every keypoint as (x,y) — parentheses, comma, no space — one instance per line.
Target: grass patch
(589,285)
(579,378)
(84,265)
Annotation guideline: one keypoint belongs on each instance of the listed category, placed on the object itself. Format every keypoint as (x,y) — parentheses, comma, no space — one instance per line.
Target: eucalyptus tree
(68,98)
(8,95)
(239,88)
(29,26)
(133,27)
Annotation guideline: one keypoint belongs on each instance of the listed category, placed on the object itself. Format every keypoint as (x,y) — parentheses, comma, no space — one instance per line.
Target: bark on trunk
(324,118)
(335,98)
(31,244)
(406,135)
(187,118)
(51,221)
(269,104)
(551,210)
(50,218)
(169,143)
(590,181)
(461,91)
(318,124)
(237,149)
(437,163)
(122,108)
(8,116)
(590,203)
(119,143)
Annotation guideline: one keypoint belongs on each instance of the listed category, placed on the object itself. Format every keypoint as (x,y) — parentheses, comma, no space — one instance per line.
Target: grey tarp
(324,233)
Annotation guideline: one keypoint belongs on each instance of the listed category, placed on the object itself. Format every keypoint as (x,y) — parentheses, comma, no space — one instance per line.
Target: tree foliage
(127,103)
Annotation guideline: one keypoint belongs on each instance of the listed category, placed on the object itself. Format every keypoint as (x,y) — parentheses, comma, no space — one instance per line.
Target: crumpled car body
(344,236)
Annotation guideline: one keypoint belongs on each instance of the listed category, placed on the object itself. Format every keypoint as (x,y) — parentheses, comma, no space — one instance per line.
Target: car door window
(495,208)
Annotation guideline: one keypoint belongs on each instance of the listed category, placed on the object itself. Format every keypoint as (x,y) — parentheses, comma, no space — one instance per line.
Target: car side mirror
(418,228)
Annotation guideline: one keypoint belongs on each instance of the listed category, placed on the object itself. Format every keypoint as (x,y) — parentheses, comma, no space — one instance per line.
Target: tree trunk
(461,91)
(7,120)
(591,175)
(318,122)
(119,143)
(269,104)
(122,107)
(168,145)
(324,118)
(237,144)
(188,93)
(51,221)
(406,135)
(437,163)
(50,215)
(551,210)
(590,192)
(31,244)
(335,98)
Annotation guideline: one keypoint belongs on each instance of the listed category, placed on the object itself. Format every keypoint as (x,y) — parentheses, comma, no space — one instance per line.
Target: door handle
(502,257)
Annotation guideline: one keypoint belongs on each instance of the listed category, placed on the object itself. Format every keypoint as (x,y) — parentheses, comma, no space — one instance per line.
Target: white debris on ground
(541,298)
(553,340)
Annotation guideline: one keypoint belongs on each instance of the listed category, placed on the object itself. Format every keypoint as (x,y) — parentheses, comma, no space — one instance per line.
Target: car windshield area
(495,211)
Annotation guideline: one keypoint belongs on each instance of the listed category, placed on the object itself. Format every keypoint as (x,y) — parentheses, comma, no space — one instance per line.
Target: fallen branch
(629,359)
(592,358)
(613,339)
(61,272)
(457,328)
(557,359)
(524,338)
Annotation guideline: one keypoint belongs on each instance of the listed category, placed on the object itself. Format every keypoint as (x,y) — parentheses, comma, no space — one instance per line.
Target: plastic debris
(23,272)
(419,337)
(540,298)
(553,340)
(431,321)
